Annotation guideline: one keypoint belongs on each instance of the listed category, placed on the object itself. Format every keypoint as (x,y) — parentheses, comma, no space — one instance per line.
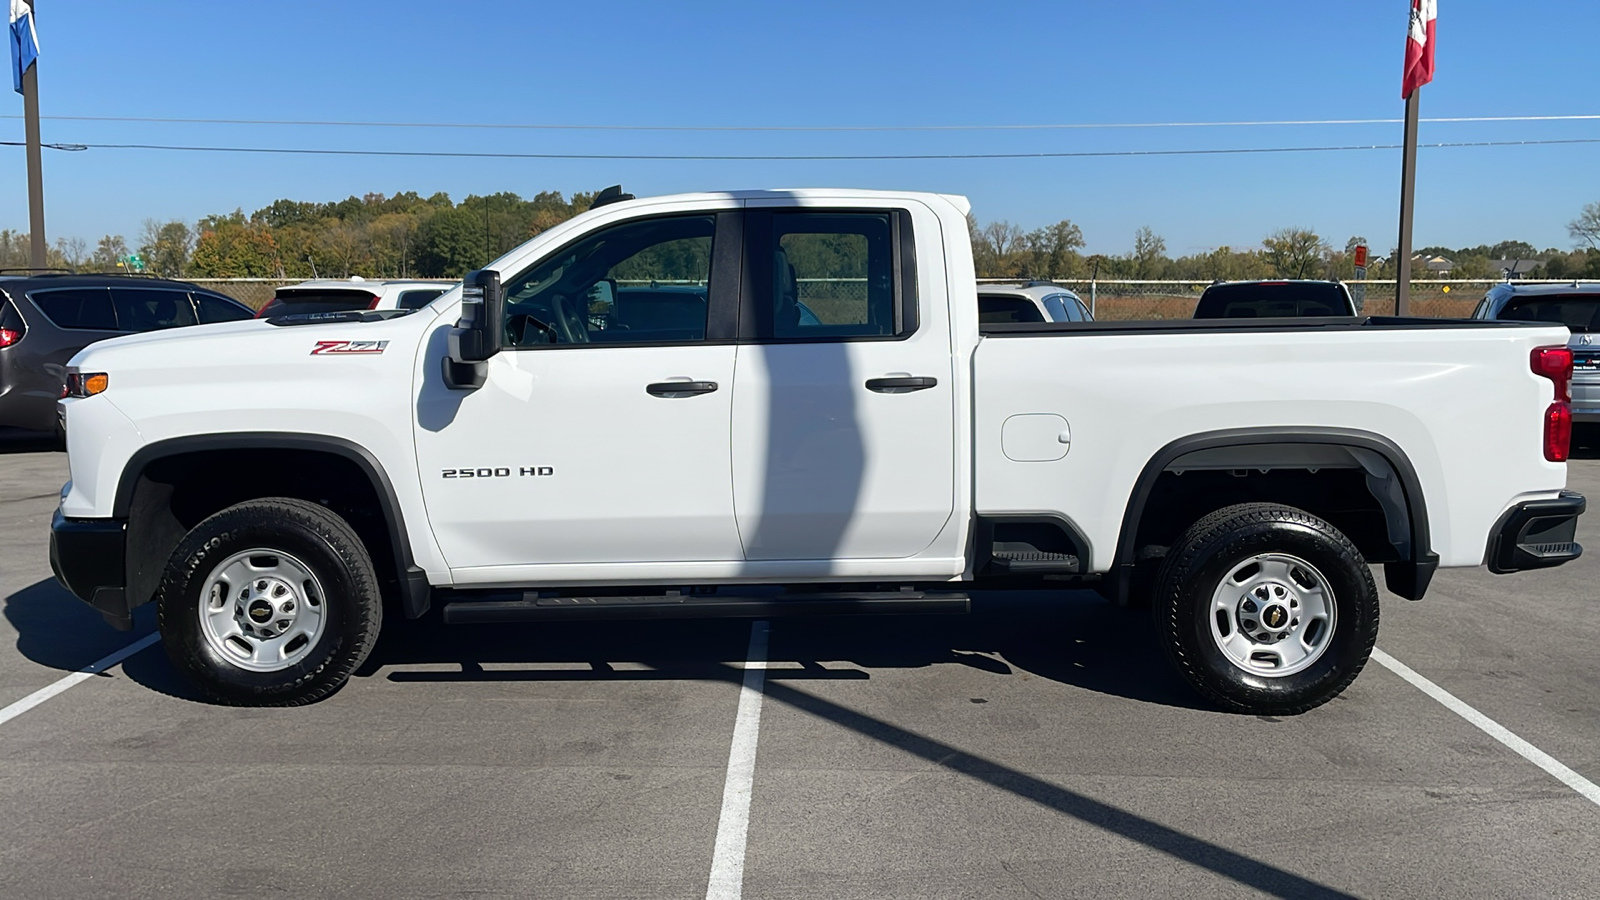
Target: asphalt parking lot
(1039,747)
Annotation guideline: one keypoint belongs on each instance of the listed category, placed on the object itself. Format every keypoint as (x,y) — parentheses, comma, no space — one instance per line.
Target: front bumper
(89,558)
(1536,534)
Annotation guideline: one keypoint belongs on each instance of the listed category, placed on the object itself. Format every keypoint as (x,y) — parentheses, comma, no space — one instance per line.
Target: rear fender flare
(1408,578)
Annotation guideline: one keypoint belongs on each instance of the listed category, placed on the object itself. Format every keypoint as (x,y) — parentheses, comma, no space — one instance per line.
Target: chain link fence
(252,292)
(842,299)
(1126,300)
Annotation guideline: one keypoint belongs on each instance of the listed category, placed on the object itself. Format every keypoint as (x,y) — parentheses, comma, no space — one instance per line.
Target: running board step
(533,608)
(1017,562)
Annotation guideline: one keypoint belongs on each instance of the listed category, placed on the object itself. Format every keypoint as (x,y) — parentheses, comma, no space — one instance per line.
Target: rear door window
(77,308)
(151,309)
(827,276)
(216,309)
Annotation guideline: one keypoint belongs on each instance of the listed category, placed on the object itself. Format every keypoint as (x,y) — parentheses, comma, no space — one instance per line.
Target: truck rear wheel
(1266,609)
(270,603)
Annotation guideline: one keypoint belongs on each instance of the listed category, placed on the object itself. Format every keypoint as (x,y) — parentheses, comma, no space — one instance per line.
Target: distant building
(1437,265)
(1514,268)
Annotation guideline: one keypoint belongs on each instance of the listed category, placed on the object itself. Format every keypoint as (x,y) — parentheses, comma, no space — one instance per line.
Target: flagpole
(1408,203)
(30,114)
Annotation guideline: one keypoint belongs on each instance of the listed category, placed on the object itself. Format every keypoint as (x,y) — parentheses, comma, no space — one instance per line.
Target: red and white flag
(1419,46)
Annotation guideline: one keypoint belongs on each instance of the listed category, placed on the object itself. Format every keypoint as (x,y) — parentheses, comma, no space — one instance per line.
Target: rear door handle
(680,388)
(901,385)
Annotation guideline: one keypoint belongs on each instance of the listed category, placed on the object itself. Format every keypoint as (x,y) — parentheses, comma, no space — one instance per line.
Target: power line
(793,128)
(1071,154)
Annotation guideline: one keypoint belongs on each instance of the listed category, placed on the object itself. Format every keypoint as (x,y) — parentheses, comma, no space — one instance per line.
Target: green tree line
(376,236)
(1003,250)
(407,235)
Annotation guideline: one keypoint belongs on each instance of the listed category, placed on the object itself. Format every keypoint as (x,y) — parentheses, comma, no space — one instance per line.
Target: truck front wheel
(1266,609)
(270,603)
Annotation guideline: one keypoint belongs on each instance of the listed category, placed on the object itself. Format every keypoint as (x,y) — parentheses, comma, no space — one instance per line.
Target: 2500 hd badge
(500,472)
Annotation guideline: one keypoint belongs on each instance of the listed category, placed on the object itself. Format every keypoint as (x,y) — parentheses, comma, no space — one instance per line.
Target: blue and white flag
(24,42)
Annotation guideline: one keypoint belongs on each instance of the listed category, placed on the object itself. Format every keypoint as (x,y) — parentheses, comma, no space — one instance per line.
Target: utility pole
(1408,203)
(1418,71)
(30,115)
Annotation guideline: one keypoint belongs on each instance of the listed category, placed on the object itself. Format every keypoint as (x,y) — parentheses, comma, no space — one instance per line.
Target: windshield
(1271,300)
(1579,312)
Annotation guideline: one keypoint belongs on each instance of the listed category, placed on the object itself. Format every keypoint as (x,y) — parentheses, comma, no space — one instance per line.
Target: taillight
(374,303)
(9,336)
(1557,432)
(1555,363)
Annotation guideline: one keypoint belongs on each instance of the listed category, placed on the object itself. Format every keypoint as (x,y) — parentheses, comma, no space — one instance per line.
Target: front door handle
(680,388)
(901,385)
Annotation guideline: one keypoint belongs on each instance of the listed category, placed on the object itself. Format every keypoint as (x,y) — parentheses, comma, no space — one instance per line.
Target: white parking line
(727,863)
(89,671)
(1492,728)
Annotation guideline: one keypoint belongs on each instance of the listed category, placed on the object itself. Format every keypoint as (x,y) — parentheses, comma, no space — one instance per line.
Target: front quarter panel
(346,380)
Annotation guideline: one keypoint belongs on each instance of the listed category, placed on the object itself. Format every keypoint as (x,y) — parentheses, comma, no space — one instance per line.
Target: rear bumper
(89,557)
(1536,534)
(1585,401)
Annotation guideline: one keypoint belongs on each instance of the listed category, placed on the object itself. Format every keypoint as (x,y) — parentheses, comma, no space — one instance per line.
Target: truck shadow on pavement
(15,440)
(1077,640)
(1074,638)
(57,630)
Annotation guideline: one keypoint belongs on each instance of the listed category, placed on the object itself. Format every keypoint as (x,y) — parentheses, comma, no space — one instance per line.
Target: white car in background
(1029,301)
(352,294)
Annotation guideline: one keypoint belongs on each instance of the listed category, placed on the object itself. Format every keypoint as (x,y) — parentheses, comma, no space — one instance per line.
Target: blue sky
(865,62)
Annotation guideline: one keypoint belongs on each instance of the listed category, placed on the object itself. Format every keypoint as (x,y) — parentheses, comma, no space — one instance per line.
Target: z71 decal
(348,347)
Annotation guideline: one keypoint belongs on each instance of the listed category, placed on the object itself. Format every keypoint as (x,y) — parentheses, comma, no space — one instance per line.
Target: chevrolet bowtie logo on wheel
(1275,616)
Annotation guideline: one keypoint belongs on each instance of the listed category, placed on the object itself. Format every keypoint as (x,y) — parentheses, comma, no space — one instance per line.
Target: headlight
(85,384)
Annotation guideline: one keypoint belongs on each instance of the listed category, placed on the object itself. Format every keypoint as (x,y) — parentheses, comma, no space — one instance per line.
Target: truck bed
(1454,400)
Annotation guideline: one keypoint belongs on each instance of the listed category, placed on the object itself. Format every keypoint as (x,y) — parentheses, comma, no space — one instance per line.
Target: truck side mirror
(479,334)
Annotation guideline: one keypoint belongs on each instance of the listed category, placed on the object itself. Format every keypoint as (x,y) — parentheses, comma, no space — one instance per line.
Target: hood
(251,343)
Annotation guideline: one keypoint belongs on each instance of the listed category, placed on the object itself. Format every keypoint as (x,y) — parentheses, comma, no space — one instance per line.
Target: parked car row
(1045,301)
(330,295)
(1574,304)
(47,317)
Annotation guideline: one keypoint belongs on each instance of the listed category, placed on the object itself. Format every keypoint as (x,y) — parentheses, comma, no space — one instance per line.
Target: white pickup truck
(767,403)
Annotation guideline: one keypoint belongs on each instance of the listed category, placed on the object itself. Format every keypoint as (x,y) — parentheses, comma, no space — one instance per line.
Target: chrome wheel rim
(1272,615)
(262,610)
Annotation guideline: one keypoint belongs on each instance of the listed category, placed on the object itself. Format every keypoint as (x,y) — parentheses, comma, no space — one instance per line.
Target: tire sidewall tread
(1207,552)
(319,538)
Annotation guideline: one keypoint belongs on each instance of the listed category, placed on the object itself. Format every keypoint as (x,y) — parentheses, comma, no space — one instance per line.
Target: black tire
(352,610)
(1208,552)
